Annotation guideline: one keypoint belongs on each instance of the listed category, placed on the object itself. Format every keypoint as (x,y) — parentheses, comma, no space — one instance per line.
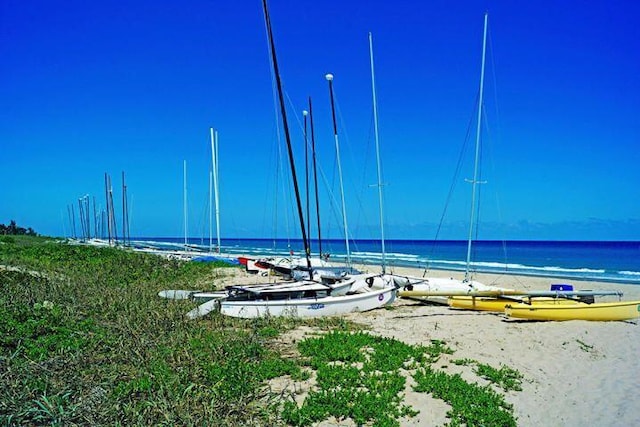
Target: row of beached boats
(311,287)
(330,295)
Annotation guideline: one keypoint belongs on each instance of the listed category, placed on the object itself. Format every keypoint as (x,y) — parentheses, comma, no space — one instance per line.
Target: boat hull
(498,304)
(309,307)
(625,310)
(438,285)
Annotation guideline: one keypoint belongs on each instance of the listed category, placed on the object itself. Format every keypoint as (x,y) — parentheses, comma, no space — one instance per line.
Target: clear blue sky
(94,87)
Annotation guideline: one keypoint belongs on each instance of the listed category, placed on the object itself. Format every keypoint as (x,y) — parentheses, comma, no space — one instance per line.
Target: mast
(214,162)
(184,203)
(82,221)
(125,212)
(375,124)
(315,176)
(106,196)
(329,78)
(112,213)
(87,206)
(474,182)
(95,220)
(305,113)
(210,211)
(285,124)
(73,221)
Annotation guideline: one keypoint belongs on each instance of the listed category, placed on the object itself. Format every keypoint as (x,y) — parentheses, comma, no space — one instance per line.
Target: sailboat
(431,285)
(294,268)
(306,298)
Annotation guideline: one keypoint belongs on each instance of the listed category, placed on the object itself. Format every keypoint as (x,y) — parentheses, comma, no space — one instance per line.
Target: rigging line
(454,183)
(274,223)
(285,126)
(307,146)
(498,136)
(279,143)
(333,204)
(362,217)
(474,248)
(294,108)
(265,194)
(315,177)
(343,128)
(203,219)
(496,185)
(283,182)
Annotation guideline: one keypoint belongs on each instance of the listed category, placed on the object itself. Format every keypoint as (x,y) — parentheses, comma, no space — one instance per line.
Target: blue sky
(104,87)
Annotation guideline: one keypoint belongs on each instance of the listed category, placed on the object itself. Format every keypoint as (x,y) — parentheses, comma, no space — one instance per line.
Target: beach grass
(85,340)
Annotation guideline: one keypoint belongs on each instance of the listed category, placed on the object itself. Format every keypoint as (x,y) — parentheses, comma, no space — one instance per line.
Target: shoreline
(588,272)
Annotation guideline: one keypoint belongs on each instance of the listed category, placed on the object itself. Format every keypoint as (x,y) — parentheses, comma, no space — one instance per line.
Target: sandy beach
(575,373)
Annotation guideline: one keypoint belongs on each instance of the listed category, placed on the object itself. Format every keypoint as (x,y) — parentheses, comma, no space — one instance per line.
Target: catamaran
(306,298)
(432,285)
(603,311)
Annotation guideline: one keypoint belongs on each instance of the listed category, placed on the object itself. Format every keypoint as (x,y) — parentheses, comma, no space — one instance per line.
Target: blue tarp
(210,258)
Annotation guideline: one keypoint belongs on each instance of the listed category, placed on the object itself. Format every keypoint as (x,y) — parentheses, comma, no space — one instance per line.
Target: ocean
(602,261)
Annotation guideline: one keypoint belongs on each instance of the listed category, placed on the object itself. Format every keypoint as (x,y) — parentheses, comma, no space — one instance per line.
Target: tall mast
(73,221)
(474,182)
(95,220)
(211,174)
(82,221)
(375,124)
(305,113)
(184,203)
(88,214)
(210,211)
(285,124)
(106,196)
(125,213)
(215,158)
(315,176)
(329,78)
(113,214)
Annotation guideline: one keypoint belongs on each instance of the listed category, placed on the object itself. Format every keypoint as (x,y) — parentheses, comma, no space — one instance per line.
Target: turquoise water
(603,261)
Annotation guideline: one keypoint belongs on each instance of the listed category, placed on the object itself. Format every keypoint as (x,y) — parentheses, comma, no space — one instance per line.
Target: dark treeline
(13,229)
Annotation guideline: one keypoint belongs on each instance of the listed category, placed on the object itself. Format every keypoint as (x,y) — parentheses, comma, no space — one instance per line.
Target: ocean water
(602,261)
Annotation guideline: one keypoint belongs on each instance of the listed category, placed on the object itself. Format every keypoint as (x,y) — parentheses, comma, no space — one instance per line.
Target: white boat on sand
(309,299)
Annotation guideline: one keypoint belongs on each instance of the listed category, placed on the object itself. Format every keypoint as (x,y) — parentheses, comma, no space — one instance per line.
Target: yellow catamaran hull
(623,310)
(498,304)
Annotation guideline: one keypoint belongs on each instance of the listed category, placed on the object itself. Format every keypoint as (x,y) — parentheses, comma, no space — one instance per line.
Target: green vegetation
(14,229)
(471,404)
(84,339)
(505,377)
(358,377)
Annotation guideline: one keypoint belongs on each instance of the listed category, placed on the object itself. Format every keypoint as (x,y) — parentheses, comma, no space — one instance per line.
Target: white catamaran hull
(441,285)
(310,307)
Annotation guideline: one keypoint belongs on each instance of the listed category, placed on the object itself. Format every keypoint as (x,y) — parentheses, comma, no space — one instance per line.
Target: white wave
(629,273)
(508,266)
